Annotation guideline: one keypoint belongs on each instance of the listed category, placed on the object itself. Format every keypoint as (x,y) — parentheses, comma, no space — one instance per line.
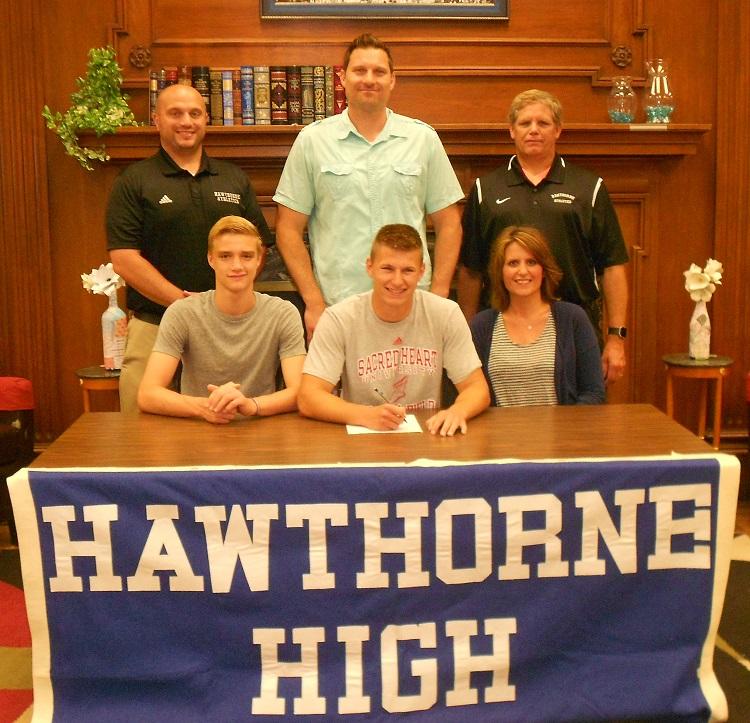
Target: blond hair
(529,97)
(233,224)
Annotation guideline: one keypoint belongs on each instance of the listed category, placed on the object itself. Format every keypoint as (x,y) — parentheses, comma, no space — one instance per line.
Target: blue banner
(565,591)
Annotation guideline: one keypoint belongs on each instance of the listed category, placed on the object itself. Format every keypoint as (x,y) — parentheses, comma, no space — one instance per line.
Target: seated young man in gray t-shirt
(392,344)
(230,341)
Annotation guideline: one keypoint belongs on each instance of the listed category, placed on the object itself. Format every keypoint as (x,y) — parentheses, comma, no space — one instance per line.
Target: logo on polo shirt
(502,200)
(562,198)
(227,197)
(165,199)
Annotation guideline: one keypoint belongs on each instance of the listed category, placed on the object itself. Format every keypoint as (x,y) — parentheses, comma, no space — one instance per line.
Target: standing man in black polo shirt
(158,218)
(569,205)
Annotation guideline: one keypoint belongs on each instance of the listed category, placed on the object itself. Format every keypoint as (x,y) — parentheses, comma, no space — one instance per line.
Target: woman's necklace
(534,322)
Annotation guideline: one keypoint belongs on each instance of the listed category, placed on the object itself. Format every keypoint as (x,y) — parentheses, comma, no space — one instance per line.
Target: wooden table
(111,439)
(715,368)
(329,578)
(97,379)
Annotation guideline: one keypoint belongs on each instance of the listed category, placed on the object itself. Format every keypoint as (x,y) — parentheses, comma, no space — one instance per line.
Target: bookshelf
(243,144)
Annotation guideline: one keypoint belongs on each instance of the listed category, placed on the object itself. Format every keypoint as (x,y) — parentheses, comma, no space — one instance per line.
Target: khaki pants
(140,342)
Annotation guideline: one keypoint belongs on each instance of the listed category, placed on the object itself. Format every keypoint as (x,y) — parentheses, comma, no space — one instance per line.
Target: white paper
(410,424)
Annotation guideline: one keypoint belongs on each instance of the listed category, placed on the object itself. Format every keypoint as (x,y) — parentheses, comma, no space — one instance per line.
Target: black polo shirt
(166,213)
(570,206)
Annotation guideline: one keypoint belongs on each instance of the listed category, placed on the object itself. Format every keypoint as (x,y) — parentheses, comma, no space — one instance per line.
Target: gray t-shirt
(404,360)
(216,348)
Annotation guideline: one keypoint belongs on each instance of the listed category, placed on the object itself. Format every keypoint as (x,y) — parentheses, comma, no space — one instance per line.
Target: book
(339,94)
(262,92)
(329,90)
(308,104)
(161,79)
(279,104)
(216,100)
(184,75)
(153,94)
(227,101)
(201,79)
(319,92)
(247,95)
(236,97)
(294,94)
(170,75)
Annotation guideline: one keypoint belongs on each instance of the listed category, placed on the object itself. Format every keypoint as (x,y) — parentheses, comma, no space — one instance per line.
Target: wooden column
(26,305)
(730,315)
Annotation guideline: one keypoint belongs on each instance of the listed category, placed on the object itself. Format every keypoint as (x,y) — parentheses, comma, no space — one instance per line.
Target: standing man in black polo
(569,205)
(158,218)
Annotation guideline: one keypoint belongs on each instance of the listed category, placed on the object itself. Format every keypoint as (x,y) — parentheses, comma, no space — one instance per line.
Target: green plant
(97,105)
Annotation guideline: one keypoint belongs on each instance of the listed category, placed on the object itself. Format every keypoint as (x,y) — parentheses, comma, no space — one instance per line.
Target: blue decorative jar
(658,102)
(622,102)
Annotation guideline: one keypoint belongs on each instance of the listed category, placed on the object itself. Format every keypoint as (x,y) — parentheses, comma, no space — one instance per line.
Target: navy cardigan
(578,365)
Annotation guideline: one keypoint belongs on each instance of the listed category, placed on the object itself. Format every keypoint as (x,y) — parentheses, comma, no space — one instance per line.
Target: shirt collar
(515,176)
(392,126)
(169,168)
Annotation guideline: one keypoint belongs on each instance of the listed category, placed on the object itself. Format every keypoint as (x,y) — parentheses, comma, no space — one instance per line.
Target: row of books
(259,94)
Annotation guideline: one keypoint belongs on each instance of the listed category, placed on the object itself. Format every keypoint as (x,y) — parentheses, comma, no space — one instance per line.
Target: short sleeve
(124,219)
(609,244)
(443,188)
(460,357)
(327,352)
(296,188)
(291,333)
(172,338)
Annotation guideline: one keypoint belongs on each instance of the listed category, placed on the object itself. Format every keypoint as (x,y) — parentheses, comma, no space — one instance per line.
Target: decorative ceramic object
(701,283)
(699,343)
(114,320)
(114,333)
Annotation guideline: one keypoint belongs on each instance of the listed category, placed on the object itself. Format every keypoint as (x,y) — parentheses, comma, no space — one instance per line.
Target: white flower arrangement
(701,283)
(103,280)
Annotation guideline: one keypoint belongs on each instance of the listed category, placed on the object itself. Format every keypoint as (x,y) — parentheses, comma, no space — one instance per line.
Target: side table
(97,379)
(715,368)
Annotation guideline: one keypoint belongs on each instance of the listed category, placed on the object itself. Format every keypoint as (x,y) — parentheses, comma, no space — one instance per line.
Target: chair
(16,438)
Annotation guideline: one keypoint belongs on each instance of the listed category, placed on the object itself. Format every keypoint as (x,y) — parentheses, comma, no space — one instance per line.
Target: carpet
(731,660)
(15,643)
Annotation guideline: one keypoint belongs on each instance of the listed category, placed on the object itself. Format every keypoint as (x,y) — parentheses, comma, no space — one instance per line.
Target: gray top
(216,348)
(523,374)
(403,360)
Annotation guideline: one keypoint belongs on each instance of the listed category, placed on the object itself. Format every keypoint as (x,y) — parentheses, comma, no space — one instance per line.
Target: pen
(385,399)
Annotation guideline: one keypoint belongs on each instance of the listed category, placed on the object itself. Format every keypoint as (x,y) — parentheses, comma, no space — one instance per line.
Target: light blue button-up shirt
(350,188)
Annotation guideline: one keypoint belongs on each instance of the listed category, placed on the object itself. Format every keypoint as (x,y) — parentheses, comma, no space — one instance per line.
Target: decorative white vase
(699,343)
(114,333)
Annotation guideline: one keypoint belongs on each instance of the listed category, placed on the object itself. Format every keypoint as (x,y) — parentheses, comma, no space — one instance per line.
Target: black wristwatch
(621,331)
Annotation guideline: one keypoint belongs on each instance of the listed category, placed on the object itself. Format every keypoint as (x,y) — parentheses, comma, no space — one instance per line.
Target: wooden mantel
(244,143)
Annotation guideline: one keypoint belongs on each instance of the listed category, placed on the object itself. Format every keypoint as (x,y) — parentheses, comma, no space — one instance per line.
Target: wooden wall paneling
(684,228)
(27,344)
(568,40)
(730,315)
(458,75)
(76,201)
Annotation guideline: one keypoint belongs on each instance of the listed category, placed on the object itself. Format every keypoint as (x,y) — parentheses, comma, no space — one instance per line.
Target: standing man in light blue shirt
(350,174)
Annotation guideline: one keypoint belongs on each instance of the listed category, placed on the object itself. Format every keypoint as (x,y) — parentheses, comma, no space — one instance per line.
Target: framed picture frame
(401,9)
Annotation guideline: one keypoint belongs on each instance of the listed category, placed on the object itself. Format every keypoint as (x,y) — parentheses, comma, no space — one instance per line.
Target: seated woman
(534,350)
